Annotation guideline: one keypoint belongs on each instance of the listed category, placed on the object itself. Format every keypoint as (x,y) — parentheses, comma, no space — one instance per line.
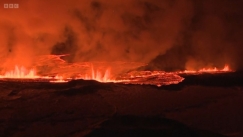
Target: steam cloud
(167,34)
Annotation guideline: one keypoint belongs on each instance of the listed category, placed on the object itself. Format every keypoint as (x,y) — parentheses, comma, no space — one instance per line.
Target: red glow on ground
(58,79)
(20,72)
(208,70)
(23,73)
(98,75)
(105,75)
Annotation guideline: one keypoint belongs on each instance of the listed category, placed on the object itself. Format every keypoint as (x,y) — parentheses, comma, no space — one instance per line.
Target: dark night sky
(168,34)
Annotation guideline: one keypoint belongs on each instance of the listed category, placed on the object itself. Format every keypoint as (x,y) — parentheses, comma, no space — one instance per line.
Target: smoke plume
(167,34)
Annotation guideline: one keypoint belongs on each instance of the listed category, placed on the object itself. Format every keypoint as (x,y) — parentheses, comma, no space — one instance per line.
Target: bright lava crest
(87,71)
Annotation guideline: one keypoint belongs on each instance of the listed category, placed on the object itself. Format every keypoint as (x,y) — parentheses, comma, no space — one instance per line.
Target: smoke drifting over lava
(167,34)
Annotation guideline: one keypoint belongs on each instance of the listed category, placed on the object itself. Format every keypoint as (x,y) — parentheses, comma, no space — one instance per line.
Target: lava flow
(225,69)
(158,78)
(98,76)
(20,73)
(133,77)
(23,73)
(58,79)
(102,75)
(54,69)
(207,70)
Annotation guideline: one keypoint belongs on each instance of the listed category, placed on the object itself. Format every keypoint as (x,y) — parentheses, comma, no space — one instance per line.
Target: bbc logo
(11,6)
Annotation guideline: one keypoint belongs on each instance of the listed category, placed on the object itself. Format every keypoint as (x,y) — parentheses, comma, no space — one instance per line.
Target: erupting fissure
(23,73)
(208,70)
(98,75)
(88,72)
(20,72)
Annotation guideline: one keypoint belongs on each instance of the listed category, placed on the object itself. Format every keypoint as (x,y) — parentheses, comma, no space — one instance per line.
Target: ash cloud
(167,34)
(68,46)
(212,38)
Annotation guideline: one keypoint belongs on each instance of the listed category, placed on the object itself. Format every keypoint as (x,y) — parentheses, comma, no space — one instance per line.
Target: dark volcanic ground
(204,105)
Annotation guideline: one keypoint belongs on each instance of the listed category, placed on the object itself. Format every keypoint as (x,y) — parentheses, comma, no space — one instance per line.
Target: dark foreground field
(201,106)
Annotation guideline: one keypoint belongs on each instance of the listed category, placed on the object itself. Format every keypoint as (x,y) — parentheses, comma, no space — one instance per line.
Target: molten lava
(158,78)
(20,72)
(23,73)
(207,70)
(225,69)
(98,75)
(58,79)
(52,68)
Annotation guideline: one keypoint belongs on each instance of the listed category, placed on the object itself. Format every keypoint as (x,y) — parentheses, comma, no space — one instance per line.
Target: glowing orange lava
(208,70)
(225,69)
(158,78)
(98,75)
(59,79)
(20,72)
(64,72)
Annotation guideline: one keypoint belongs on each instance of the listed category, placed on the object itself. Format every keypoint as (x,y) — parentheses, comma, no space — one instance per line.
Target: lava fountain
(23,73)
(98,75)
(58,71)
(20,73)
(207,70)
